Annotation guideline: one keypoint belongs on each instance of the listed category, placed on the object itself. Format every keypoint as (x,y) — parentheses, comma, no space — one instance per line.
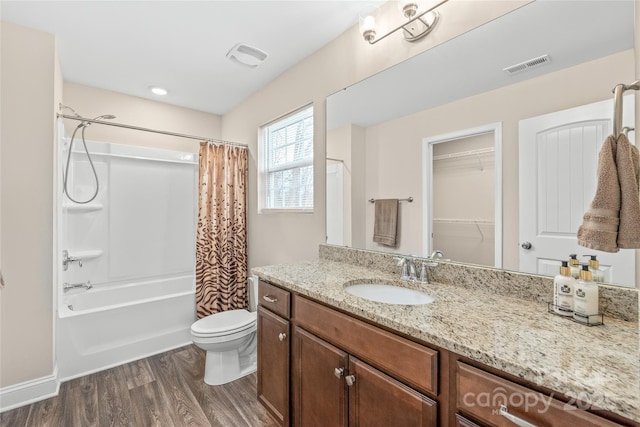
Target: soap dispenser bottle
(594,267)
(585,298)
(574,266)
(563,288)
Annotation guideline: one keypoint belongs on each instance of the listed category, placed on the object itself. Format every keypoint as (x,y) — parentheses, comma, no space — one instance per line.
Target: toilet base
(226,366)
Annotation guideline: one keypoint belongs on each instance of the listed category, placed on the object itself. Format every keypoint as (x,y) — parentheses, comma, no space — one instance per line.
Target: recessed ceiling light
(158,90)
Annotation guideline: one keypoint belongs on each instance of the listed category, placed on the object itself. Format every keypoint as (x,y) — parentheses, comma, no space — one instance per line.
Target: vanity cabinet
(338,370)
(499,402)
(274,350)
(333,385)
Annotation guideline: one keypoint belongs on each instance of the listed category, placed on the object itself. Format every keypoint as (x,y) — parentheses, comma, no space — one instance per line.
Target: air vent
(247,55)
(528,64)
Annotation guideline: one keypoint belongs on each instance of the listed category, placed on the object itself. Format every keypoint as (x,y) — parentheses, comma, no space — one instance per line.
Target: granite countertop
(598,364)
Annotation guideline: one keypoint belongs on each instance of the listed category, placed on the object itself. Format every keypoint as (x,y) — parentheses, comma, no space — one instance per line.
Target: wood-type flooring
(165,390)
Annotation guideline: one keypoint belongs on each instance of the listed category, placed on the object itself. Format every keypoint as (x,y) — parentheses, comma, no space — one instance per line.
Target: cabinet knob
(338,372)
(282,336)
(350,379)
(504,411)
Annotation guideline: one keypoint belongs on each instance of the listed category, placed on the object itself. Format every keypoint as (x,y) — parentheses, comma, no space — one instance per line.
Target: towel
(628,163)
(385,223)
(613,218)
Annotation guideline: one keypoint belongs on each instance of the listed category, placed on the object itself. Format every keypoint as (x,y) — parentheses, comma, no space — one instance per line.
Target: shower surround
(135,245)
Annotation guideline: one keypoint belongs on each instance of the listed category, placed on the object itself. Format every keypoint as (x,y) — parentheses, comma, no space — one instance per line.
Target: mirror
(377,129)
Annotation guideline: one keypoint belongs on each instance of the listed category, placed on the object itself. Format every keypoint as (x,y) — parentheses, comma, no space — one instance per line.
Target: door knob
(526,245)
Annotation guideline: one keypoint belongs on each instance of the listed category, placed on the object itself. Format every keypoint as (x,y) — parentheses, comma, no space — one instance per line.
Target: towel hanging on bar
(385,223)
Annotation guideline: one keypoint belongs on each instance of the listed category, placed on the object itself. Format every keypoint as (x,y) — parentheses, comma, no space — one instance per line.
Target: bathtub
(105,327)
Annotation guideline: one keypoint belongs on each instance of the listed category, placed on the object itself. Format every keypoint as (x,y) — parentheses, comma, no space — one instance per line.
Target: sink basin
(389,294)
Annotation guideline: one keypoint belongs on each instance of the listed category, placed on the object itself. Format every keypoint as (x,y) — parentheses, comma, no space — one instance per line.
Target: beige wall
(30,83)
(277,238)
(92,102)
(394,167)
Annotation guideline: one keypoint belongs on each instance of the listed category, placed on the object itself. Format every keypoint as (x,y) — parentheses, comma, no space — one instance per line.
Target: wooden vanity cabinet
(333,386)
(274,350)
(496,401)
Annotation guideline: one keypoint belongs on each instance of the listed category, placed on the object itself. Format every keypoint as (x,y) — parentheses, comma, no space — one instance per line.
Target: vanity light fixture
(158,90)
(419,23)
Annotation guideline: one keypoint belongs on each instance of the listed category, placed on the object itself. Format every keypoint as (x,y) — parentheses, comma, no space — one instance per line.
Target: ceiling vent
(246,55)
(528,64)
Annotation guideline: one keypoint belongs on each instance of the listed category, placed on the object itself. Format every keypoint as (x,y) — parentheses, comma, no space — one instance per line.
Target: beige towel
(385,223)
(628,163)
(613,218)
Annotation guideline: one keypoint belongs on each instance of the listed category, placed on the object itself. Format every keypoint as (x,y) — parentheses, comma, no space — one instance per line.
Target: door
(375,399)
(319,390)
(273,364)
(558,164)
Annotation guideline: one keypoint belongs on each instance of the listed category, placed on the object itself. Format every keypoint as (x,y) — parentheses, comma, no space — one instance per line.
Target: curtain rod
(179,135)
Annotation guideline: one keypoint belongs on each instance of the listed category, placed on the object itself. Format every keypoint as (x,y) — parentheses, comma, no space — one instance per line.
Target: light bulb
(408,8)
(367,28)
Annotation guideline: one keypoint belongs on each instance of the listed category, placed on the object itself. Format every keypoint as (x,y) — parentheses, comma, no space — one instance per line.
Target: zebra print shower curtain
(221,240)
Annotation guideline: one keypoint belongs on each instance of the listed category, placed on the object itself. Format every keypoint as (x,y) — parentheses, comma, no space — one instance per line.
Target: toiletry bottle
(594,267)
(585,298)
(574,266)
(563,288)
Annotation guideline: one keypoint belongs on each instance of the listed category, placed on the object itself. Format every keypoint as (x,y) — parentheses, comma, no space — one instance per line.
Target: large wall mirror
(378,131)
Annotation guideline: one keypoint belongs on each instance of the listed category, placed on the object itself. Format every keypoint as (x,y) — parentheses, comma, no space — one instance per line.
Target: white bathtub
(109,326)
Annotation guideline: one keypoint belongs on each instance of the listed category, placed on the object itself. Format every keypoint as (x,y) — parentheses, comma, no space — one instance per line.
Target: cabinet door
(273,364)
(375,399)
(319,390)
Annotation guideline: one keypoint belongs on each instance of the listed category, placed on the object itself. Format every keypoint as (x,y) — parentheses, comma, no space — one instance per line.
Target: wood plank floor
(164,390)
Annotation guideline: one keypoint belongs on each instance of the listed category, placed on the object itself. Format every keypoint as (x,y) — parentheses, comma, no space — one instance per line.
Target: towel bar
(618,91)
(408,199)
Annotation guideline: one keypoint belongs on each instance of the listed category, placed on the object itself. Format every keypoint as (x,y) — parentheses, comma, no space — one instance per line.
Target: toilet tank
(252,289)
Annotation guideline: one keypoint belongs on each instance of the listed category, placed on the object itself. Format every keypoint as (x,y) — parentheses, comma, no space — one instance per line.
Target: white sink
(389,294)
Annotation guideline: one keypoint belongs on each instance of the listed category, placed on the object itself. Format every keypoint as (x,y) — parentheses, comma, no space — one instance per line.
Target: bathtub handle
(271,299)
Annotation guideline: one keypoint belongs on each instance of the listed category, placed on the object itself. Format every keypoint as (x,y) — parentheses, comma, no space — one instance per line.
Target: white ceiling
(127,46)
(569,31)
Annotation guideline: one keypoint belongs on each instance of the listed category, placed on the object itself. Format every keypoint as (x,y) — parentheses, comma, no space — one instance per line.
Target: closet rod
(163,132)
(475,152)
(408,199)
(618,91)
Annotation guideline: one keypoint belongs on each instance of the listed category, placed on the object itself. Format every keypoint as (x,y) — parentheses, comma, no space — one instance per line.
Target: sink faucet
(408,265)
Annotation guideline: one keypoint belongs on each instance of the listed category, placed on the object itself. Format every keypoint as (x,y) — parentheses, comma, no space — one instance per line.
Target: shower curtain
(221,240)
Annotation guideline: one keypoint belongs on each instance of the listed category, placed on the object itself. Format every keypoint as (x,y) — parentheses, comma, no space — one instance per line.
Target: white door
(558,164)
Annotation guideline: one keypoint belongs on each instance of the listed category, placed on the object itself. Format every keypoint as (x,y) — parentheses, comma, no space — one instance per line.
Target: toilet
(230,340)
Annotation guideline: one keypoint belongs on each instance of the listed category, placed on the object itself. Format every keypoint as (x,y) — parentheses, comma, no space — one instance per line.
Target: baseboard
(28,392)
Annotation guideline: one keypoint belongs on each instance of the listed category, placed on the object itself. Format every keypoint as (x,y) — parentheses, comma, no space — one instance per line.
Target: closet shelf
(477,152)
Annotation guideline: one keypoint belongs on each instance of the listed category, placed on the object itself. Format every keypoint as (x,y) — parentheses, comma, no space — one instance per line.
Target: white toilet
(230,340)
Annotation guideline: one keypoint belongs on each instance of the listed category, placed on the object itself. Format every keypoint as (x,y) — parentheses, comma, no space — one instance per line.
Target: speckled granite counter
(519,337)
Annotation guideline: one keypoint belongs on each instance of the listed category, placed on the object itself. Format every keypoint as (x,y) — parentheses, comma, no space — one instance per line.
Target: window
(286,163)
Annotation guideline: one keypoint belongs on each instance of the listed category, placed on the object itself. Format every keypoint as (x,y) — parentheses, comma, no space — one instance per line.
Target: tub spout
(68,286)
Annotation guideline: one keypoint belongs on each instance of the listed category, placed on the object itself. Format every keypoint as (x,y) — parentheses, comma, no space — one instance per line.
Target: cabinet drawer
(411,363)
(481,395)
(274,298)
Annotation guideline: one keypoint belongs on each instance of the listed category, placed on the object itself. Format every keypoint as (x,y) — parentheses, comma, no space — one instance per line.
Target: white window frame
(263,167)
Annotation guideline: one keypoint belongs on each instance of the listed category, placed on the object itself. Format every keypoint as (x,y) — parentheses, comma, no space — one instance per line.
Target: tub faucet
(67,259)
(68,286)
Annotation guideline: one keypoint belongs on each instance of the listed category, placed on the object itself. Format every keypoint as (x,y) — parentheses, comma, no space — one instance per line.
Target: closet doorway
(463,195)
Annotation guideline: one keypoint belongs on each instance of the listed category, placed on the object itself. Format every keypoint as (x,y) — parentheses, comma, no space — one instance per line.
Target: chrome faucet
(68,286)
(408,265)
(66,260)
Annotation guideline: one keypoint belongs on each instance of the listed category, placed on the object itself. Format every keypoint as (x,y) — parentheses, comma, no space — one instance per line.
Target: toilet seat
(224,323)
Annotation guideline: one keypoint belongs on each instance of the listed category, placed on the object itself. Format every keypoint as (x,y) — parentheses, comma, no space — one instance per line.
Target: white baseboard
(28,392)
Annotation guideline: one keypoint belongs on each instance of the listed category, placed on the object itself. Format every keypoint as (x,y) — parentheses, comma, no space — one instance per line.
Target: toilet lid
(225,322)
